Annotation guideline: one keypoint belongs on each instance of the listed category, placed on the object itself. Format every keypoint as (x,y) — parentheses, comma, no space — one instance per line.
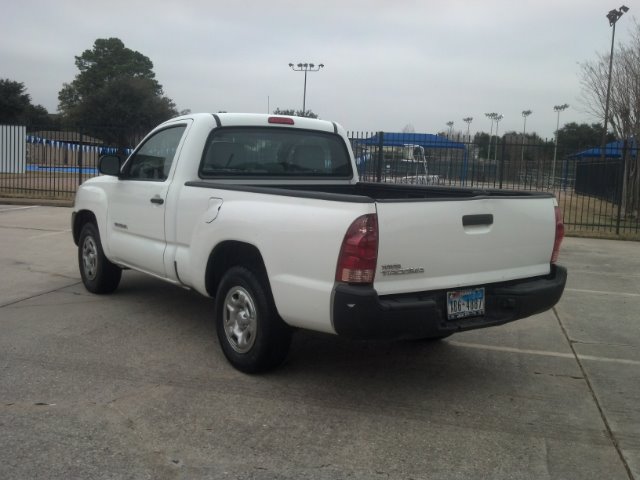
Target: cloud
(387,64)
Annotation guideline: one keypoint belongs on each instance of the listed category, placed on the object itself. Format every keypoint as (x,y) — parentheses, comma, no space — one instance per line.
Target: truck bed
(446,237)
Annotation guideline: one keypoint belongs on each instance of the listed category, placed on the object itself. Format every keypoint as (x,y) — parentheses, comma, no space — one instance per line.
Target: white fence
(13,148)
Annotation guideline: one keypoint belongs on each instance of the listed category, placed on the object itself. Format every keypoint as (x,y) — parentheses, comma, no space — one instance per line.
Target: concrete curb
(45,202)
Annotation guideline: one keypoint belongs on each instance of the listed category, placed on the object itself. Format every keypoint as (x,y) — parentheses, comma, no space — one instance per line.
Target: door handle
(475,220)
(157,200)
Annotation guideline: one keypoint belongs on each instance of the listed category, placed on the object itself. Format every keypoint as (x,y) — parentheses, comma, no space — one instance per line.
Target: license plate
(465,303)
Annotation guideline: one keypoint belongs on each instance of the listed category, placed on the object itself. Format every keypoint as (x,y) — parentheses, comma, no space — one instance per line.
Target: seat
(309,157)
(221,155)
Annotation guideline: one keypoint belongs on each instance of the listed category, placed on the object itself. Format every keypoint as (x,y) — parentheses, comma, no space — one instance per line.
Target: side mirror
(109,165)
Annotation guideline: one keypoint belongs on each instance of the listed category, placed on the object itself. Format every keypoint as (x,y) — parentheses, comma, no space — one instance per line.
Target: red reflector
(359,252)
(281,120)
(559,236)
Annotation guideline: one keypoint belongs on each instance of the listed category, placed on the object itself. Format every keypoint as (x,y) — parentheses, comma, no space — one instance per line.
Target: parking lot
(133,385)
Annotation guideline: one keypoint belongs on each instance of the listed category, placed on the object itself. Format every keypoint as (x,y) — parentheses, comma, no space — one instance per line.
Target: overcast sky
(387,64)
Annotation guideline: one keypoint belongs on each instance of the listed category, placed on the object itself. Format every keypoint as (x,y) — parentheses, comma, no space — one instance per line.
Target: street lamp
(450,125)
(613,16)
(492,117)
(525,114)
(497,118)
(305,67)
(558,109)
(468,121)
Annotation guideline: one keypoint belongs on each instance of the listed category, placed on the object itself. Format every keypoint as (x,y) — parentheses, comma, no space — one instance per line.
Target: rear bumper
(358,312)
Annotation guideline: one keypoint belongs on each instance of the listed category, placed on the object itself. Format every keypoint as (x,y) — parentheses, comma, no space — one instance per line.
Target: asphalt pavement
(134,385)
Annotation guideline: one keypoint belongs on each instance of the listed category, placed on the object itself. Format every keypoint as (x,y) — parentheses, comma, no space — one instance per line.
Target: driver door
(136,213)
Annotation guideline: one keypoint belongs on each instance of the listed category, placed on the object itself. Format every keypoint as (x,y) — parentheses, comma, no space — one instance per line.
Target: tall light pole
(525,114)
(558,109)
(305,67)
(613,16)
(492,117)
(497,119)
(468,121)
(450,125)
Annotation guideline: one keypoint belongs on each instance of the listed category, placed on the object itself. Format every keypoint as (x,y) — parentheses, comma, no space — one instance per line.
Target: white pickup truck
(266,214)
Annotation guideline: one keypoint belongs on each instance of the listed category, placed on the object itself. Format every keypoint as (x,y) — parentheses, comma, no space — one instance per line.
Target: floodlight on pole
(613,16)
(305,67)
(491,116)
(497,118)
(558,109)
(525,114)
(450,125)
(468,121)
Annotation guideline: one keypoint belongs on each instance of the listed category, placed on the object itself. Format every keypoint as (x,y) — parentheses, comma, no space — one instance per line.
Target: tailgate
(432,245)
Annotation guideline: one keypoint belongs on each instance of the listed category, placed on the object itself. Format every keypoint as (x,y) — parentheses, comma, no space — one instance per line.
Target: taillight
(559,236)
(359,252)
(281,120)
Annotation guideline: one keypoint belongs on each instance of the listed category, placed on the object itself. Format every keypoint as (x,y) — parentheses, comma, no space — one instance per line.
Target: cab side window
(152,161)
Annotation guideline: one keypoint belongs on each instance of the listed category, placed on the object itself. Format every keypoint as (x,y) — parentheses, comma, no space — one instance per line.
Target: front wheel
(98,274)
(252,335)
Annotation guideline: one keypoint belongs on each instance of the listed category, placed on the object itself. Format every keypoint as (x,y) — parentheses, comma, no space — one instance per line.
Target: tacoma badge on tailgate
(396,269)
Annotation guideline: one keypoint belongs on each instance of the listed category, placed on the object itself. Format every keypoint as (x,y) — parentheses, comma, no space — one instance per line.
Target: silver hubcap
(240,319)
(89,257)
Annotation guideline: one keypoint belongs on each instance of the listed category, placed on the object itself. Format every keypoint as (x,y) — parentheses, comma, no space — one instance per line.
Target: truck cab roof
(262,119)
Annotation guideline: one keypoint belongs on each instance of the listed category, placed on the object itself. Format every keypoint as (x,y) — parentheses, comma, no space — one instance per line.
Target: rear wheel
(252,335)
(98,274)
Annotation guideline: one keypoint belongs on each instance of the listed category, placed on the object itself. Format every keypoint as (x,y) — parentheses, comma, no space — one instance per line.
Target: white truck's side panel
(136,226)
(299,241)
(92,197)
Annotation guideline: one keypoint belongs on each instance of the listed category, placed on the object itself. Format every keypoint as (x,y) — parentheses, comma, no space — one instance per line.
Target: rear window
(274,153)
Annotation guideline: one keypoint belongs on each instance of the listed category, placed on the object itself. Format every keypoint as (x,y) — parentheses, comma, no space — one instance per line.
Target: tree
(624,108)
(481,139)
(115,87)
(14,101)
(295,113)
(576,137)
(38,116)
(16,106)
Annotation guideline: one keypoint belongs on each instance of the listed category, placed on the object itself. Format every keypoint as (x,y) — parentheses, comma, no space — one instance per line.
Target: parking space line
(601,292)
(603,274)
(609,359)
(11,209)
(545,353)
(49,234)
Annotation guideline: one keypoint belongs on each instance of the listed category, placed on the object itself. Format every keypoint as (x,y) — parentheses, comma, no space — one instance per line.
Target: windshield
(275,153)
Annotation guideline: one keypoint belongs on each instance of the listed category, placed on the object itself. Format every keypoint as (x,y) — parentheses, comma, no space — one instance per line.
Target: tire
(98,274)
(252,335)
